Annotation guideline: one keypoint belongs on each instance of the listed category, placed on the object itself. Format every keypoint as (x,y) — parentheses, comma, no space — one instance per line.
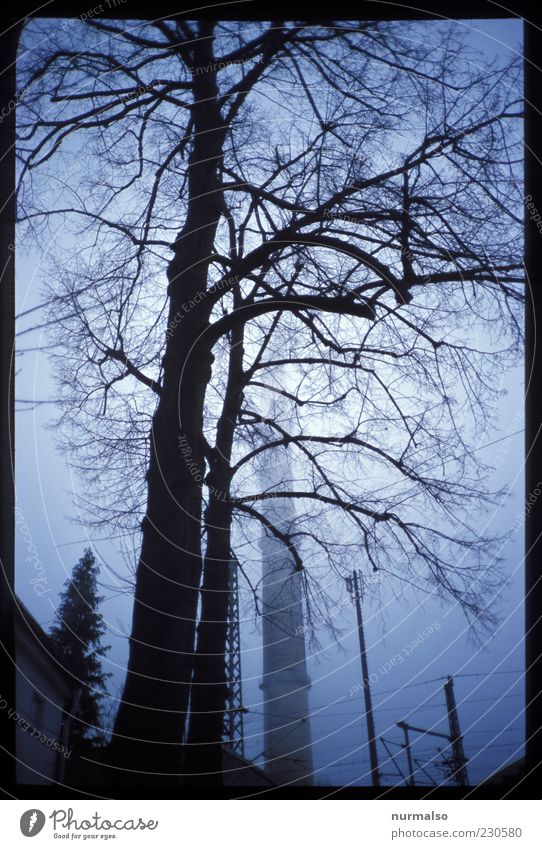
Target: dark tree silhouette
(332,209)
(77,636)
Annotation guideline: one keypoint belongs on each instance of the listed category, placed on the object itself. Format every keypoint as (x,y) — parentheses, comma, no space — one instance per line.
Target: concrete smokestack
(285,682)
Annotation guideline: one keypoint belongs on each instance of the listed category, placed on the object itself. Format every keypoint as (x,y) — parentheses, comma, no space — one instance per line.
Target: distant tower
(285,682)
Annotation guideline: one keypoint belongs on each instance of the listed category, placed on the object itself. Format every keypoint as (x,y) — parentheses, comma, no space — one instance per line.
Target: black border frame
(10,26)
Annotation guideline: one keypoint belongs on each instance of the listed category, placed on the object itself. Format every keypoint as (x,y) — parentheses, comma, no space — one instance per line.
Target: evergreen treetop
(77,636)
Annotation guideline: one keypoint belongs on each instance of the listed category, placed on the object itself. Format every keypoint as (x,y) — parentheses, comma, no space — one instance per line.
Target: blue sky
(488,678)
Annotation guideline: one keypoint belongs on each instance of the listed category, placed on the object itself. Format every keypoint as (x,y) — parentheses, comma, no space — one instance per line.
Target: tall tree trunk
(203,761)
(151,718)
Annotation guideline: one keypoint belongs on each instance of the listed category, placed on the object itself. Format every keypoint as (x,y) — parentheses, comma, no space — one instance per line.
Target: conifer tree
(76,634)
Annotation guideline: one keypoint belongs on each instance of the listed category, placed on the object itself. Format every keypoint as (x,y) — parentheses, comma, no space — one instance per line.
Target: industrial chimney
(285,682)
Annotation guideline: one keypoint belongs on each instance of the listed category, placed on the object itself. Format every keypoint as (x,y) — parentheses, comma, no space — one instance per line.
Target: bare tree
(337,204)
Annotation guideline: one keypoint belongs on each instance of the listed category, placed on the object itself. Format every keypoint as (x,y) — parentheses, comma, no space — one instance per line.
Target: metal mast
(460,761)
(233,717)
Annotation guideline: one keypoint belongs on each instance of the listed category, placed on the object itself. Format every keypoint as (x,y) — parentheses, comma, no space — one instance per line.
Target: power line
(489,674)
(353,747)
(444,677)
(407,686)
(495,699)
(265,751)
(494,731)
(398,708)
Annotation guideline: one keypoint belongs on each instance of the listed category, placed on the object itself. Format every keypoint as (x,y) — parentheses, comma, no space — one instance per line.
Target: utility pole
(420,766)
(460,761)
(406,747)
(353,585)
(390,753)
